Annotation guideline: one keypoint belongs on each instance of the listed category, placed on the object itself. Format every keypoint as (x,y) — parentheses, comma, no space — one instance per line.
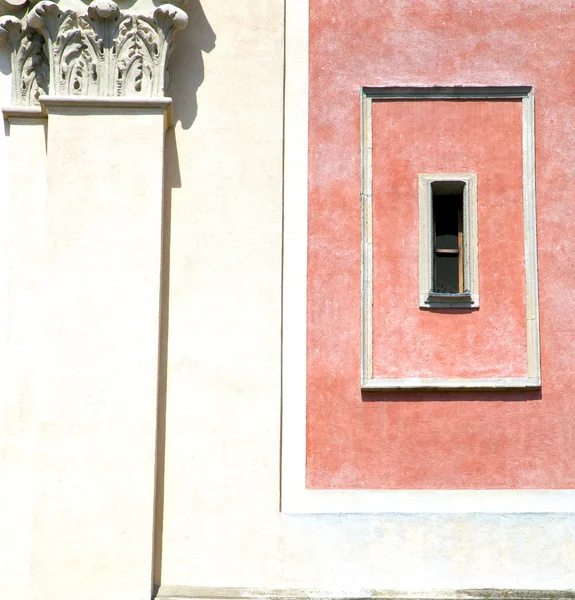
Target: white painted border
(532,380)
(295,498)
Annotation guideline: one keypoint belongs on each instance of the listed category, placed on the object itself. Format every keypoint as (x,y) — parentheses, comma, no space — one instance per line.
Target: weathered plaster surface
(450,440)
(425,445)
(448,136)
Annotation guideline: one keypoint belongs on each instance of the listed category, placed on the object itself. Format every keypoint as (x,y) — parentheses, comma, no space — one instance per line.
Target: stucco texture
(447,137)
(438,440)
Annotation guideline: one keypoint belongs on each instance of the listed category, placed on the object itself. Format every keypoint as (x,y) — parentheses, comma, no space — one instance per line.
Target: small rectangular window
(447,200)
(448,270)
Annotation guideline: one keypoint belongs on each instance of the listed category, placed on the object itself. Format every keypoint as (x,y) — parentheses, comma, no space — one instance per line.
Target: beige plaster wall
(79,386)
(21,237)
(223,377)
(221,519)
(97,420)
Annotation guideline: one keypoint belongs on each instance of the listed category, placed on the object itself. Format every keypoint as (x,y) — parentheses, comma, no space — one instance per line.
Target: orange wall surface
(456,440)
(433,136)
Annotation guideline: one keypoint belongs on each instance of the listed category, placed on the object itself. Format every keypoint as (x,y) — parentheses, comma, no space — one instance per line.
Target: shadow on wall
(187,64)
(453,396)
(187,74)
(5,67)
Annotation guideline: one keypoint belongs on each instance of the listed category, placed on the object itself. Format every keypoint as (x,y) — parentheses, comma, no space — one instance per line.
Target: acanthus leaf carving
(136,68)
(169,19)
(28,61)
(103,53)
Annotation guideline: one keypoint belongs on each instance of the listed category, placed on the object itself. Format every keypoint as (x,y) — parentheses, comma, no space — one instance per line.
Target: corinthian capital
(104,52)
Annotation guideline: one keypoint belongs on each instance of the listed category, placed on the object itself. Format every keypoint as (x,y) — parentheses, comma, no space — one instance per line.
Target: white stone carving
(29,64)
(105,53)
(10,7)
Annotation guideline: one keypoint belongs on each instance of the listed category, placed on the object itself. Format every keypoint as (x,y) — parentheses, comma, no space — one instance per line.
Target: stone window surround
(532,380)
(426,244)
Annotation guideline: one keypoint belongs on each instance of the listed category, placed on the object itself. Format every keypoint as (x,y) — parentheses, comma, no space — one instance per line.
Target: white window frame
(470,297)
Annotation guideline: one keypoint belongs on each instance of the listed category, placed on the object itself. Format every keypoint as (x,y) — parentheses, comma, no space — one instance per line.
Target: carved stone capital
(104,53)
(11,7)
(29,64)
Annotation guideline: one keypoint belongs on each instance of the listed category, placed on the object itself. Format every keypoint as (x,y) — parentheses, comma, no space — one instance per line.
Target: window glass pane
(446,274)
(446,217)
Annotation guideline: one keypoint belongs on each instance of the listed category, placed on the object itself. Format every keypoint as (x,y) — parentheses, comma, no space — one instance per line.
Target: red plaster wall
(448,137)
(438,440)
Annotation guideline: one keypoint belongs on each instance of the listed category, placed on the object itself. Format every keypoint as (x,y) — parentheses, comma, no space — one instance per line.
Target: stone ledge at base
(175,592)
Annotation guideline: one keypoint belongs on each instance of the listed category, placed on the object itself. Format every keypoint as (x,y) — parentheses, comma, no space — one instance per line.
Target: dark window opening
(447,199)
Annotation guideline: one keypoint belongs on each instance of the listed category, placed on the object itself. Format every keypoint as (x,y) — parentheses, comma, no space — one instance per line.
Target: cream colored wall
(21,234)
(97,417)
(223,378)
(83,247)
(225,283)
(221,523)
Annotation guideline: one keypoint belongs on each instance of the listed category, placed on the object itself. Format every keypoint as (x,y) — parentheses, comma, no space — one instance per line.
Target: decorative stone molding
(29,63)
(10,7)
(104,53)
(181,592)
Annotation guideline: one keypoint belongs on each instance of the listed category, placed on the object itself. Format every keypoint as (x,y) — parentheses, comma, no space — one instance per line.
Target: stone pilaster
(94,82)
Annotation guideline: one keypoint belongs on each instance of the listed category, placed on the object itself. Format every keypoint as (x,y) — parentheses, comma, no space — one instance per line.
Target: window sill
(438,300)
